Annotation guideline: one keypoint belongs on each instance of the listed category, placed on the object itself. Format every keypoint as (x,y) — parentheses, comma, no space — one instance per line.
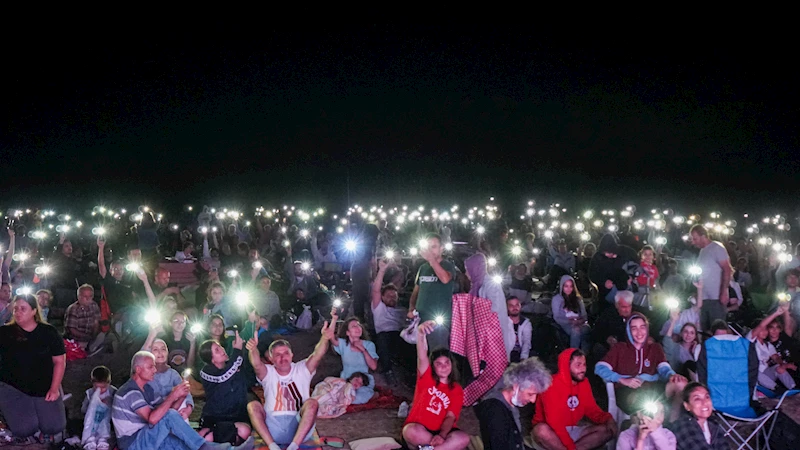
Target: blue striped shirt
(127,401)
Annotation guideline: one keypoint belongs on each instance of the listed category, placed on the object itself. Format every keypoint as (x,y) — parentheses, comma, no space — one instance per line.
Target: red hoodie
(566,403)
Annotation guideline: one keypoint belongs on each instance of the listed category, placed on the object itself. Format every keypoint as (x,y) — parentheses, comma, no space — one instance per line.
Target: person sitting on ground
(639,369)
(143,420)
(334,394)
(388,319)
(45,299)
(358,355)
(611,326)
(219,304)
(100,417)
(682,350)
(166,377)
(288,414)
(695,429)
(569,313)
(224,417)
(646,433)
(688,315)
(786,346)
(497,412)
(771,366)
(565,404)
(674,283)
(438,399)
(522,331)
(82,321)
(32,363)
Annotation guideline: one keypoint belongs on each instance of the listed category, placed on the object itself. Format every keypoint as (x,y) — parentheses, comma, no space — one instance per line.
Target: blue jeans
(171,432)
(578,338)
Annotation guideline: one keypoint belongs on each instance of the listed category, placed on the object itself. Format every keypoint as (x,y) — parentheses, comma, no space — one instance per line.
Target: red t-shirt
(649,275)
(433,400)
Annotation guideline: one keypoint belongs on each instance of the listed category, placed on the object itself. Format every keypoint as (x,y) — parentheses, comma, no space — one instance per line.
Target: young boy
(97,408)
(224,417)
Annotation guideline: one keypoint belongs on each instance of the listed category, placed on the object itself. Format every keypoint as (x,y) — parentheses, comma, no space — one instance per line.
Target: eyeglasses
(178,321)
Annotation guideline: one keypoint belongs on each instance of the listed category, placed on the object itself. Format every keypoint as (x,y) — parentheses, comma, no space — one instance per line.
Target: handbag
(409,333)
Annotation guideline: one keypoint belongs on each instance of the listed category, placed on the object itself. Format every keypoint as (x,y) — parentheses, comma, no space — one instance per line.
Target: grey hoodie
(559,313)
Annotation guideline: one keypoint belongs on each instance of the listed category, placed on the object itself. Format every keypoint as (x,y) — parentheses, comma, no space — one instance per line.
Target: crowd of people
(476,304)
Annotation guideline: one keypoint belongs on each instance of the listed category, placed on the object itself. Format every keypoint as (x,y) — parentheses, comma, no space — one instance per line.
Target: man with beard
(388,319)
(569,400)
(522,331)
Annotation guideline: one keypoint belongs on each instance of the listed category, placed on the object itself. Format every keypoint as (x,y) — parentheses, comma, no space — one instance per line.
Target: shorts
(210,422)
(576,432)
(283,427)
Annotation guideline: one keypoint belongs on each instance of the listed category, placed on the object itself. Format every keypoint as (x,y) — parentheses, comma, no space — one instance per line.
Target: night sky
(410,113)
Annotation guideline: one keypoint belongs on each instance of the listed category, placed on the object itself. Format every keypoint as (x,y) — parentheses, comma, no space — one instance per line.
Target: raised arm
(150,296)
(255,357)
(322,346)
(423,330)
(101,257)
(767,320)
(412,303)
(377,283)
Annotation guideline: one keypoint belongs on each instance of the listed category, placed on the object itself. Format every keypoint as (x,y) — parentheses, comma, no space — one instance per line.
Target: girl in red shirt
(438,399)
(649,275)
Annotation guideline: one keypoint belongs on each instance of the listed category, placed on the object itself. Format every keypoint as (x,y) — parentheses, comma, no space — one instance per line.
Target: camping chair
(728,366)
(618,414)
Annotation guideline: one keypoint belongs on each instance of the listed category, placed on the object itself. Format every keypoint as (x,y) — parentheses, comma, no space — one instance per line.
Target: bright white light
(24,290)
(492,261)
(242,298)
(448,246)
(337,303)
(695,270)
(579,226)
(585,236)
(762,241)
(233,273)
(548,234)
(661,240)
(673,303)
(612,228)
(412,251)
(197,328)
(516,251)
(152,316)
(422,243)
(134,267)
(257,265)
(389,254)
(480,229)
(777,247)
(350,245)
(98,231)
(42,270)
(439,320)
(530,212)
(588,215)
(305,265)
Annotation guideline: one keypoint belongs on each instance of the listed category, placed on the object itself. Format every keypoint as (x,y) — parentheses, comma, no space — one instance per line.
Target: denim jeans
(384,343)
(171,433)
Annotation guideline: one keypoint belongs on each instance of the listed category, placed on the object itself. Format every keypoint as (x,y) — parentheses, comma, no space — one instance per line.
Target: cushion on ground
(376,443)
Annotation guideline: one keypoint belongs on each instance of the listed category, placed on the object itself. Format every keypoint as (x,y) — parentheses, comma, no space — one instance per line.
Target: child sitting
(97,409)
(771,366)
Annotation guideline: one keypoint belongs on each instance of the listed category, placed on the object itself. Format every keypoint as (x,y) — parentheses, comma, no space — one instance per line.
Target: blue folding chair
(729,368)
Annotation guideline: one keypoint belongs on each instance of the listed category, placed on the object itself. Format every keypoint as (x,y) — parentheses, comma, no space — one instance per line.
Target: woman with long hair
(358,355)
(438,399)
(570,313)
(32,363)
(695,430)
(683,350)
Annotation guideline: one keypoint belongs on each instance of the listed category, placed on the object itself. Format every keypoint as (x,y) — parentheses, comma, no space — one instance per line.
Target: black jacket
(499,429)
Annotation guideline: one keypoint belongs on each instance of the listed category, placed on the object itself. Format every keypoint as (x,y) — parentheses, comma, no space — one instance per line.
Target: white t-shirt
(763,351)
(388,319)
(284,395)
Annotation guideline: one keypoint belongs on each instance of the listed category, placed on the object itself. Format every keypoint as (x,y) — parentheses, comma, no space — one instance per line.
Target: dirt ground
(348,427)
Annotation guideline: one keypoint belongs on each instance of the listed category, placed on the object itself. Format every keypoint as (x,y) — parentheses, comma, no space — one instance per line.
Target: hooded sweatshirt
(600,267)
(567,402)
(624,360)
(560,314)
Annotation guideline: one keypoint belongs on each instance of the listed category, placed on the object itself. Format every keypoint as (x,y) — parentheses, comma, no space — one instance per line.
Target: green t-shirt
(435,298)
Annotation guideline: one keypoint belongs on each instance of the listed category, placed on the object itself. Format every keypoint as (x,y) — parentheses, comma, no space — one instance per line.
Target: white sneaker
(102,444)
(91,444)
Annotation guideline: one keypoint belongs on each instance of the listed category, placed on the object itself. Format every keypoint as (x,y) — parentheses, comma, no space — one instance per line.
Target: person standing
(433,292)
(716,276)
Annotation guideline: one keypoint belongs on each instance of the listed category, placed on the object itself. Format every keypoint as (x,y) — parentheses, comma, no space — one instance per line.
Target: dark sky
(411,112)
